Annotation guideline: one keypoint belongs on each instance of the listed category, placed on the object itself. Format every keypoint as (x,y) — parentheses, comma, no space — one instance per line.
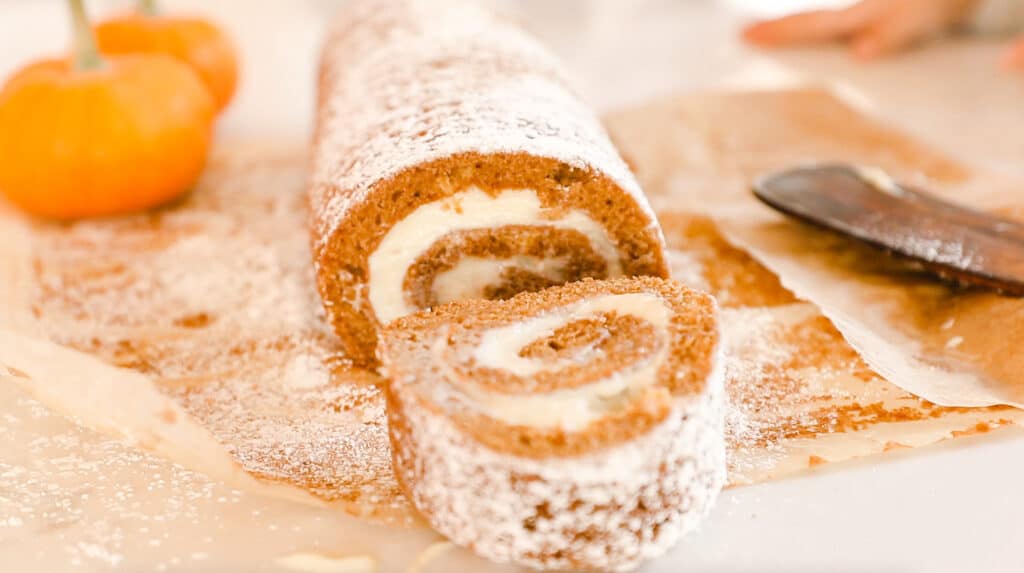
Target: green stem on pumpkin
(86,56)
(148,8)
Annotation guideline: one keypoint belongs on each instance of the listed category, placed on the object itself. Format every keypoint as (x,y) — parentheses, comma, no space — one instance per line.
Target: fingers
(815,26)
(1013,57)
(886,36)
(818,26)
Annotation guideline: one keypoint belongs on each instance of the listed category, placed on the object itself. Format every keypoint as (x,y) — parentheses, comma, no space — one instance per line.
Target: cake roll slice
(452,162)
(577,427)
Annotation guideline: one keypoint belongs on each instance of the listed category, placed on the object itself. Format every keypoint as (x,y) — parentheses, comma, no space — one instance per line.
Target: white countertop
(957,507)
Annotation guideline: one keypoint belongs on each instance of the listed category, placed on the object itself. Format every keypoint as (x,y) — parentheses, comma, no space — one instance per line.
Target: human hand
(871,28)
(1013,58)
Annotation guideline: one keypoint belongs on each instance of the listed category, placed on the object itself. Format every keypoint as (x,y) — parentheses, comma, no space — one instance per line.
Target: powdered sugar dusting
(413,81)
(214,298)
(55,484)
(760,353)
(250,368)
(72,499)
(685,267)
(538,513)
(607,507)
(795,387)
(305,372)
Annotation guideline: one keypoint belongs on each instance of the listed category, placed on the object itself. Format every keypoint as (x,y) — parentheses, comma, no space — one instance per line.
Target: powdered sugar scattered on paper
(73,499)
(214,298)
(799,394)
(889,310)
(254,375)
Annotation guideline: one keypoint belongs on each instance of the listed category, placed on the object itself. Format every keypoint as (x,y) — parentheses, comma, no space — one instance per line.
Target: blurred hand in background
(876,28)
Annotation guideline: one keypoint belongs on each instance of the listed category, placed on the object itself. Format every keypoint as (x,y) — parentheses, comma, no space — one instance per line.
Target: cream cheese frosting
(469,277)
(467,210)
(879,179)
(570,409)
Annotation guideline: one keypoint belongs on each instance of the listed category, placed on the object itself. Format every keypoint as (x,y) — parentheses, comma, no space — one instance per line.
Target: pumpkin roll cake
(576,427)
(451,161)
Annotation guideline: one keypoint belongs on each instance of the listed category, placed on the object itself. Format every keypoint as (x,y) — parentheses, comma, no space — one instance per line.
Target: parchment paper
(193,333)
(800,395)
(113,468)
(699,153)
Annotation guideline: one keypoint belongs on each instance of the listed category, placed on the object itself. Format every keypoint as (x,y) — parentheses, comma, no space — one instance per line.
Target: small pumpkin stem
(86,56)
(148,8)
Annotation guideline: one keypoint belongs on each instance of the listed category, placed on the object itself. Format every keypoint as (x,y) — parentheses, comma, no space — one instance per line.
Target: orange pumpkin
(198,43)
(88,137)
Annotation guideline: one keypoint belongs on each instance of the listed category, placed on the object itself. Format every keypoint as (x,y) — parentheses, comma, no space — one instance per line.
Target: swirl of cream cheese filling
(573,408)
(467,210)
